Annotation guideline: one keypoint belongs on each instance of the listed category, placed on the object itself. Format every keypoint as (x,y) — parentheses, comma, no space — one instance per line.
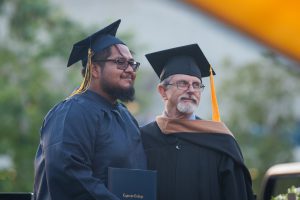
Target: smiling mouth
(188,99)
(129,79)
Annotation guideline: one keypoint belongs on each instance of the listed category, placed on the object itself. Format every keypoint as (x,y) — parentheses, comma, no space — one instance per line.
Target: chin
(127,82)
(127,85)
(186,108)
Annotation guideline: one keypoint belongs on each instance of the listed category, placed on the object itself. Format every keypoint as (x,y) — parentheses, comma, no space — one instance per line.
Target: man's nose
(191,88)
(129,68)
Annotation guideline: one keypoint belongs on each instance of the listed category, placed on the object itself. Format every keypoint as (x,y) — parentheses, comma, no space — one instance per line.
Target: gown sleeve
(69,154)
(235,181)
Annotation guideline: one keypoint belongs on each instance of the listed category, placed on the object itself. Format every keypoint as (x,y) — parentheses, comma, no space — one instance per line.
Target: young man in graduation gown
(90,131)
(195,159)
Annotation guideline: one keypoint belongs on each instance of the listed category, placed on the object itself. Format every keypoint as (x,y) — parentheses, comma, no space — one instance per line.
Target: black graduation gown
(196,166)
(80,138)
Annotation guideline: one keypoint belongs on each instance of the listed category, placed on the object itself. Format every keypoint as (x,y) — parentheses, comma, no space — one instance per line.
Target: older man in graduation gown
(195,159)
(90,131)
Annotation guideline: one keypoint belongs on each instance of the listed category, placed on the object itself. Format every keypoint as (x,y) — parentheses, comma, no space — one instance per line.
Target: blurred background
(257,81)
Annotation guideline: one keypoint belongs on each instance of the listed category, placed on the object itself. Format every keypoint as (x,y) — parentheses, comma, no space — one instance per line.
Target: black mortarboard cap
(188,60)
(97,42)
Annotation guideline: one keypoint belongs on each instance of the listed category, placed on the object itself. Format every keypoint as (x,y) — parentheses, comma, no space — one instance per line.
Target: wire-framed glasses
(185,85)
(122,63)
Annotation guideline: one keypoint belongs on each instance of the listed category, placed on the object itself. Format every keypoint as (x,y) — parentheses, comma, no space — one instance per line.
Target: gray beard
(186,108)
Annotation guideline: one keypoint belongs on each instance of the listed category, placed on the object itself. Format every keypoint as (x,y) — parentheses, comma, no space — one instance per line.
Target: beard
(122,94)
(187,107)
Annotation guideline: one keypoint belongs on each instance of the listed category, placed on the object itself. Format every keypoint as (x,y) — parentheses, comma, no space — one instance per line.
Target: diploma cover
(132,184)
(15,195)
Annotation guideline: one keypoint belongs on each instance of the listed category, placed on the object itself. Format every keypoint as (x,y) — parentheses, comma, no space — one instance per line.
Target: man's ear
(95,70)
(162,91)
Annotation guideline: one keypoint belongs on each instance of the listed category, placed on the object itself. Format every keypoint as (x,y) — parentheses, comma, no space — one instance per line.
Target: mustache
(128,76)
(189,97)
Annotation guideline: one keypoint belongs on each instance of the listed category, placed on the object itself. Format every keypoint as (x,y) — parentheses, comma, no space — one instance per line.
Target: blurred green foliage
(37,37)
(259,102)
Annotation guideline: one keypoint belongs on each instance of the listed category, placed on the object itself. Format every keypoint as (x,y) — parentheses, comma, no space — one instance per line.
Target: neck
(103,94)
(177,115)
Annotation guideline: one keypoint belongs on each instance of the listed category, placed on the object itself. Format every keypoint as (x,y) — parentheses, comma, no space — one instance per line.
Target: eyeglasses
(185,85)
(122,63)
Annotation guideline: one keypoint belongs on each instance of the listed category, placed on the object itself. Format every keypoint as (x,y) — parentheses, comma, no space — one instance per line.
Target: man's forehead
(121,50)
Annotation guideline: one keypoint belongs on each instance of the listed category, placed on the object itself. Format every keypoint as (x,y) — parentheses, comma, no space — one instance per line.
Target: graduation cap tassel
(214,102)
(88,75)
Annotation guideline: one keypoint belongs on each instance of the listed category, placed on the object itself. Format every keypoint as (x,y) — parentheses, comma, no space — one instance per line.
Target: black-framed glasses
(185,85)
(122,63)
